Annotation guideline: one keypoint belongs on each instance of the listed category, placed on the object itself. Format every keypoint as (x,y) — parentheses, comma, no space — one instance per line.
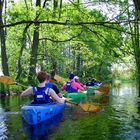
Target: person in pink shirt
(76,78)
(72,85)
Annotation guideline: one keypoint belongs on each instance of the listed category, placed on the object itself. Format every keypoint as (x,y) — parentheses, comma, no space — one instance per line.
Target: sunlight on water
(3,127)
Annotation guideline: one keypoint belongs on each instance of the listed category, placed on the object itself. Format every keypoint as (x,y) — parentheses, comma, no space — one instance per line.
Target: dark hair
(93,80)
(89,78)
(42,76)
(71,76)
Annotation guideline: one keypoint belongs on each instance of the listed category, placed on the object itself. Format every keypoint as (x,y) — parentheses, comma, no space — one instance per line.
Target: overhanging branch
(69,39)
(106,24)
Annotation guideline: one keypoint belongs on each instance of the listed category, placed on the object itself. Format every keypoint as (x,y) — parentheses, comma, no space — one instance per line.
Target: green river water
(118,120)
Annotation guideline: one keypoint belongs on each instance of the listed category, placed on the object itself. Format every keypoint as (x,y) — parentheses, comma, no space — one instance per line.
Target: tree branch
(106,24)
(69,39)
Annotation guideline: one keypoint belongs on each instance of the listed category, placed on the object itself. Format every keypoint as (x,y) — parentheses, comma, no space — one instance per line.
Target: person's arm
(54,95)
(55,88)
(28,91)
(60,95)
(64,87)
(78,86)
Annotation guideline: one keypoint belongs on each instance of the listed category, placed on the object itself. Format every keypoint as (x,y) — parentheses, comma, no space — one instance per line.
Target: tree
(4,58)
(136,39)
(34,48)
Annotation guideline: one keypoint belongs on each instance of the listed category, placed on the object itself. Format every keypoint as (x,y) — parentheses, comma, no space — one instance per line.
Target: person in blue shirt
(43,93)
(55,88)
(89,83)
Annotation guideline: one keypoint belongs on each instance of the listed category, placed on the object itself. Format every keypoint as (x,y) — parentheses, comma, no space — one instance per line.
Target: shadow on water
(43,130)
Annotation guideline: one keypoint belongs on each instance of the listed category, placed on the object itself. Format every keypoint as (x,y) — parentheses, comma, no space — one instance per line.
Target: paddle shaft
(9,81)
(21,85)
(72,103)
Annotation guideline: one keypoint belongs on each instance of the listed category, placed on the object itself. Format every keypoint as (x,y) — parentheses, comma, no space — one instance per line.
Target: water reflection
(125,112)
(43,130)
(119,121)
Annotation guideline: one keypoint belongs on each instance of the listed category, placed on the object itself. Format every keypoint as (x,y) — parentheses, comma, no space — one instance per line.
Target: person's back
(40,97)
(89,83)
(43,92)
(78,85)
(69,87)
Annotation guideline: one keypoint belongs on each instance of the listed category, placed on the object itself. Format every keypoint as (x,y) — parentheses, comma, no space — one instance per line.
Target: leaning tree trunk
(23,45)
(34,49)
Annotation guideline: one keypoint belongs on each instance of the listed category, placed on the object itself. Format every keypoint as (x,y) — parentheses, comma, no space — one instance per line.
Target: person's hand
(66,99)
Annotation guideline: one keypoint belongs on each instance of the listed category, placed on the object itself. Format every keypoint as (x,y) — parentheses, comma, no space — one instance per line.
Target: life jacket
(89,84)
(69,88)
(40,96)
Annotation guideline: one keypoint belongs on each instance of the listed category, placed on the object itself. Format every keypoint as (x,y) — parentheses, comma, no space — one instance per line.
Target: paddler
(43,93)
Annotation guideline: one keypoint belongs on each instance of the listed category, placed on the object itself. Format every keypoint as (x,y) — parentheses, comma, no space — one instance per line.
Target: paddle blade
(103,89)
(106,85)
(89,107)
(59,79)
(7,80)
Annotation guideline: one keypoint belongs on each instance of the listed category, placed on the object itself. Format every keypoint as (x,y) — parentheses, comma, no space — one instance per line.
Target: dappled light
(70,70)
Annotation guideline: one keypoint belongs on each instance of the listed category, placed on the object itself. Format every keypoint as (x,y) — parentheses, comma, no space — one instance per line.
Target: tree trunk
(34,49)
(136,40)
(137,54)
(137,7)
(23,45)
(4,59)
(54,66)
(78,60)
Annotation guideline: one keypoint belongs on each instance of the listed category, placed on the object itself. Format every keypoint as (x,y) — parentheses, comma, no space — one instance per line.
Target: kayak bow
(37,113)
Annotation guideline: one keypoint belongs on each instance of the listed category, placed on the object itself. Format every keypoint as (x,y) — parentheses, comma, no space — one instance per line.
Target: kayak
(90,89)
(76,96)
(37,113)
(102,90)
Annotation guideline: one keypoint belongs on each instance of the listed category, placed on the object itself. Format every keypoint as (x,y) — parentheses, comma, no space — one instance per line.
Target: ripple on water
(3,127)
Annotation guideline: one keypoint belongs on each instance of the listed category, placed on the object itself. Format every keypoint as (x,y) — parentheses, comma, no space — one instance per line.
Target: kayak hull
(90,89)
(37,113)
(75,96)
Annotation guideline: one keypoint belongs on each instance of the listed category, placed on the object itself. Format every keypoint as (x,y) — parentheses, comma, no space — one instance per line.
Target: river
(118,120)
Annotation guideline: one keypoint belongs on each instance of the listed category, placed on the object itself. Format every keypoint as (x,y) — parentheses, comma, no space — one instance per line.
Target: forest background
(91,38)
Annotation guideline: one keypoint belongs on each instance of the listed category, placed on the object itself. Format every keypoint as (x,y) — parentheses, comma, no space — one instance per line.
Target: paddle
(9,81)
(60,79)
(86,106)
(103,90)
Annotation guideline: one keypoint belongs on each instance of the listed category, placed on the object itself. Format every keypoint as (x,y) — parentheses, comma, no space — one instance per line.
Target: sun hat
(76,77)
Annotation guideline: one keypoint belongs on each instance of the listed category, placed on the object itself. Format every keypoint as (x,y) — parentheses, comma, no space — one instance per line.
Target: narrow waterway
(118,120)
